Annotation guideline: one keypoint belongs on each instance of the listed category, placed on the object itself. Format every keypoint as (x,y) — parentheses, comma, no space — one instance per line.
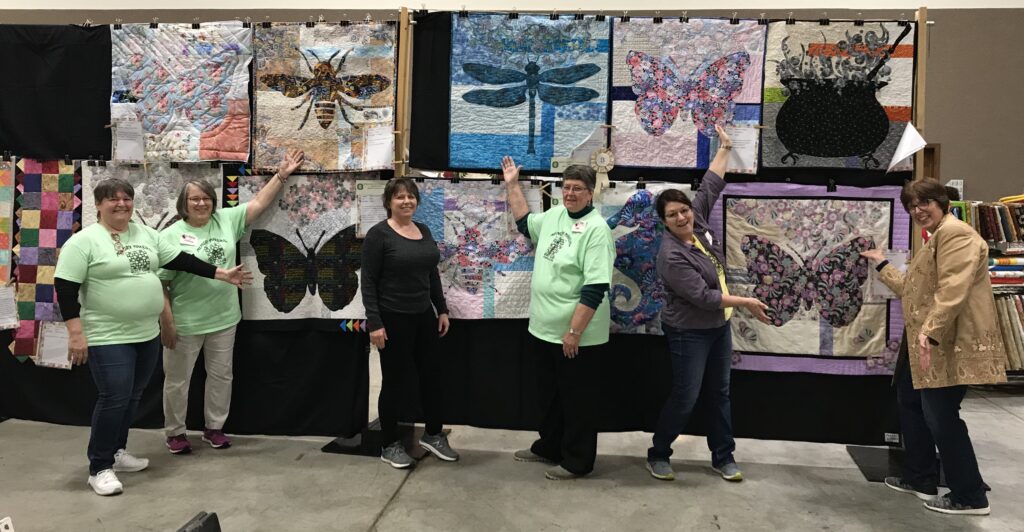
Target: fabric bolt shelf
(673,81)
(157,187)
(55,87)
(833,97)
(486,263)
(531,87)
(188,87)
(48,198)
(302,251)
(779,237)
(328,90)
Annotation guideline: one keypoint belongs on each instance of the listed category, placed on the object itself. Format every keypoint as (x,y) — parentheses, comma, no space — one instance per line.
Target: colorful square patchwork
(48,238)
(44,274)
(65,220)
(48,220)
(29,237)
(28,257)
(29,219)
(50,201)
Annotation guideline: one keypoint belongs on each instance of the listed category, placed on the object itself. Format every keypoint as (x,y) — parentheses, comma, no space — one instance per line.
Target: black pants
(930,418)
(568,393)
(412,341)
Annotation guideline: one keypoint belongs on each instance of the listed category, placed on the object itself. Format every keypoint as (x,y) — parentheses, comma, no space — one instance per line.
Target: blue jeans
(930,418)
(121,372)
(701,365)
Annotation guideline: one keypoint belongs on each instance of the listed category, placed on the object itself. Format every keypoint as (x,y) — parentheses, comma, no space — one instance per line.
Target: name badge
(707,235)
(188,239)
(578,227)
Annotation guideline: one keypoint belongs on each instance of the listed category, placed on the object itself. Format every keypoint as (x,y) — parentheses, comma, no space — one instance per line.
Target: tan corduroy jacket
(947,296)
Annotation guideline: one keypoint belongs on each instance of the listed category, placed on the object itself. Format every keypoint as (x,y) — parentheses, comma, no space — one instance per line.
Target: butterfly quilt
(303,251)
(672,82)
(530,87)
(797,249)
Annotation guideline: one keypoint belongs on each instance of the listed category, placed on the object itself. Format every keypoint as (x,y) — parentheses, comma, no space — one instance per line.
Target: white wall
(673,6)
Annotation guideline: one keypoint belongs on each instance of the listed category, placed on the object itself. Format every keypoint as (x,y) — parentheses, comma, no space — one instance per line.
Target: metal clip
(310,23)
(174,164)
(214,164)
(611,184)
(553,15)
(695,183)
(155,24)
(195,23)
(247,23)
(513,15)
(266,23)
(463,13)
(762,20)
(684,18)
(824,20)
(734,20)
(831,185)
(625,16)
(640,184)
(88,23)
(455,179)
(789,19)
(578,15)
(102,162)
(903,20)
(117,23)
(859,21)
(657,17)
(67,159)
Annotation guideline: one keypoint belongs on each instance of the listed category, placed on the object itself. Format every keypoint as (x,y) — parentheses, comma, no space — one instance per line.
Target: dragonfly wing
(497,98)
(492,75)
(568,75)
(658,90)
(565,95)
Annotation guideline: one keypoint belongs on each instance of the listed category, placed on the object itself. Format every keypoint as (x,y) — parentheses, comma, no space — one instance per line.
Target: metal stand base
(876,463)
(368,441)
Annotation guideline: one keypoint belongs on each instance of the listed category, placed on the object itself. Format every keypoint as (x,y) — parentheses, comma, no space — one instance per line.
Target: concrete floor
(275,483)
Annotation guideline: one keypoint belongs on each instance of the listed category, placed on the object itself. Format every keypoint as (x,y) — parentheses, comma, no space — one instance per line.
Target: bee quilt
(189,88)
(328,90)
(529,87)
(673,81)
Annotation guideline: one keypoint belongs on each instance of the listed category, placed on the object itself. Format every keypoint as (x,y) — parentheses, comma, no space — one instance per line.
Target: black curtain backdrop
(288,383)
(55,91)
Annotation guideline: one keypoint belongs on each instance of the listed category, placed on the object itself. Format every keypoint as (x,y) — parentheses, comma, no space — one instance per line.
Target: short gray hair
(202,185)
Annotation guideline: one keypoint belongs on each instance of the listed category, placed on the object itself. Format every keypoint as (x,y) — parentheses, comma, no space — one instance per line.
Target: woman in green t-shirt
(201,314)
(110,298)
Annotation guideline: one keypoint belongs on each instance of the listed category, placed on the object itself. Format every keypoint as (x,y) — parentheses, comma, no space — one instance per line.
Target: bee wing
(362,86)
(715,84)
(290,86)
(658,90)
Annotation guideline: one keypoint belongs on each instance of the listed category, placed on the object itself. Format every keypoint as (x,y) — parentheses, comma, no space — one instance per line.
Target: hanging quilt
(55,86)
(189,87)
(837,95)
(637,296)
(157,187)
(673,81)
(6,218)
(328,90)
(486,263)
(531,87)
(48,197)
(302,252)
(797,249)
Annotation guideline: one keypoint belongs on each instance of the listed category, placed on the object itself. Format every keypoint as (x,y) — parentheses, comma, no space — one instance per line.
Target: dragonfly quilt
(530,87)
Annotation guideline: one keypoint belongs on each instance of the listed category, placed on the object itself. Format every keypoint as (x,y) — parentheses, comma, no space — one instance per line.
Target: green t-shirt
(202,305)
(121,295)
(569,254)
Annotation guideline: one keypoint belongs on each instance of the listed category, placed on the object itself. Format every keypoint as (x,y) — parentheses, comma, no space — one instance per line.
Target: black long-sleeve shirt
(399,274)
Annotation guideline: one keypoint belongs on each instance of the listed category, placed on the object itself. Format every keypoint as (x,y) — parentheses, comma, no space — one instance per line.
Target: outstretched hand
(237,276)
(873,255)
(509,170)
(290,162)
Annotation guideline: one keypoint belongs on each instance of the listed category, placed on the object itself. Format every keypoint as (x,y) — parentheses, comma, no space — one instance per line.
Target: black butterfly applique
(290,273)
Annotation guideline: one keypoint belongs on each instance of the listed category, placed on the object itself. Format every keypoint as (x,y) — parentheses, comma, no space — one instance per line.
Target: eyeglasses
(118,246)
(919,206)
(200,201)
(574,189)
(119,200)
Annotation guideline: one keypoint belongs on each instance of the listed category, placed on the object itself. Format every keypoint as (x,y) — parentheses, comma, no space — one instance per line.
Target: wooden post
(920,78)
(404,96)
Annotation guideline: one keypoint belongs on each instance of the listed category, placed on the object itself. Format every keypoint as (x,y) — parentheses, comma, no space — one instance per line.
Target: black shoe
(899,485)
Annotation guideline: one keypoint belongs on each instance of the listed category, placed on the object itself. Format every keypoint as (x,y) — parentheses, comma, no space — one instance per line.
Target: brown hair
(579,172)
(924,190)
(203,186)
(397,184)
(671,195)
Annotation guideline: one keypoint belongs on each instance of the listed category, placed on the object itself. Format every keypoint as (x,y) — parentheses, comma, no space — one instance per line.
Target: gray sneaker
(395,456)
(898,484)
(526,455)
(730,472)
(438,445)
(560,473)
(661,470)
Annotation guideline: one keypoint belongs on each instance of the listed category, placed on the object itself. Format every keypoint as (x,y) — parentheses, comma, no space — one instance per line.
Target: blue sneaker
(730,472)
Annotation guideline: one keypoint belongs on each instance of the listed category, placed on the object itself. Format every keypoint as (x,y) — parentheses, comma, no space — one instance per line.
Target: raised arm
(292,160)
(720,164)
(516,197)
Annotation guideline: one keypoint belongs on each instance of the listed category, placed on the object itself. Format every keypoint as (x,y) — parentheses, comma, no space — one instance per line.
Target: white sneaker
(105,483)
(126,463)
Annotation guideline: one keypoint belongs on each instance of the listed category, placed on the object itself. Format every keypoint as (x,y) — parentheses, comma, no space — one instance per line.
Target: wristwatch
(574,332)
